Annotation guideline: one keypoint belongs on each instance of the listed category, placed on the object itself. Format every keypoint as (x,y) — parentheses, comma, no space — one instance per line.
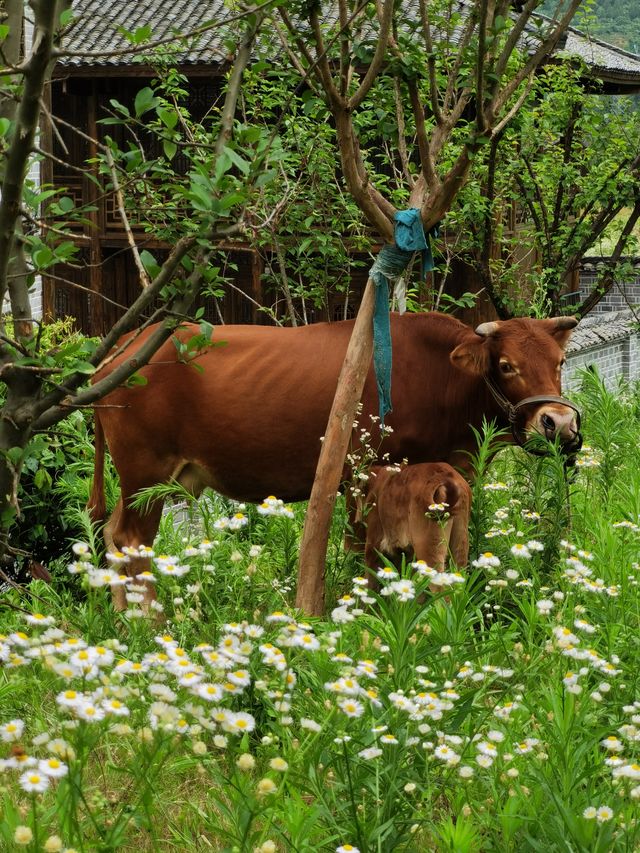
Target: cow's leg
(431,542)
(128,526)
(355,533)
(373,541)
(459,542)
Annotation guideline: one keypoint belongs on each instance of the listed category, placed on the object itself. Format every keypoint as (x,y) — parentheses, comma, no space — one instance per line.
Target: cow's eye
(505,367)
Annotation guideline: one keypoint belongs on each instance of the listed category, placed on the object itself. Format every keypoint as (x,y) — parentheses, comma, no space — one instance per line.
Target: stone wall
(610,342)
(621,296)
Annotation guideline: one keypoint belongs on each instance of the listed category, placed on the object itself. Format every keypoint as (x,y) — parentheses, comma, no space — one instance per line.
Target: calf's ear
(472,356)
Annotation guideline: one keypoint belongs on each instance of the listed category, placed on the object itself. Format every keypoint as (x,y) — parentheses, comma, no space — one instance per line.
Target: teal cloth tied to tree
(388,267)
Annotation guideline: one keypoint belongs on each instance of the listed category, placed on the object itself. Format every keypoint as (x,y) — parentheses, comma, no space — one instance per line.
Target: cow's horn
(565,322)
(486,329)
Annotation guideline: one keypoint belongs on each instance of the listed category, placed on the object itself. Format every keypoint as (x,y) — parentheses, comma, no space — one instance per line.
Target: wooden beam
(256,283)
(313,547)
(97,321)
(46,177)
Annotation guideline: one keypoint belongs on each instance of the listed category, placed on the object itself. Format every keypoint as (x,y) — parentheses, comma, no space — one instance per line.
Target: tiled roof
(598,329)
(98,23)
(96,30)
(603,59)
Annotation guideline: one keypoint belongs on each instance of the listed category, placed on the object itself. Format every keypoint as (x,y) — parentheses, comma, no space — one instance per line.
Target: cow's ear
(472,356)
(560,328)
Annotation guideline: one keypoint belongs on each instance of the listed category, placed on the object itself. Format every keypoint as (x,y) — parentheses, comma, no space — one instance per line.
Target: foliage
(217,173)
(60,465)
(614,21)
(414,129)
(304,263)
(560,180)
(500,715)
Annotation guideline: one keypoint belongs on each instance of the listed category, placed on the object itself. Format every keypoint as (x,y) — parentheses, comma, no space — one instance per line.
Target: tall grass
(500,714)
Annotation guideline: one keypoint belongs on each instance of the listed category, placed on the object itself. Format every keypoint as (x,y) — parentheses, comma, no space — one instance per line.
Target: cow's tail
(97,505)
(448,493)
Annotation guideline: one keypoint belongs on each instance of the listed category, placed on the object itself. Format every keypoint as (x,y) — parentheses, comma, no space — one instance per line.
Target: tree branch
(144,277)
(431,62)
(23,138)
(480,63)
(402,142)
(606,282)
(345,52)
(322,62)
(243,56)
(378,57)
(498,102)
(512,40)
(427,161)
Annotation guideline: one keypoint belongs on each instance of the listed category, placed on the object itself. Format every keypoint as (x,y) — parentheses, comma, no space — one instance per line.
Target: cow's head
(521,362)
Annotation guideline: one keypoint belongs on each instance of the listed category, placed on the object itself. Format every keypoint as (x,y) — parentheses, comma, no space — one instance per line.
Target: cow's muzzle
(551,424)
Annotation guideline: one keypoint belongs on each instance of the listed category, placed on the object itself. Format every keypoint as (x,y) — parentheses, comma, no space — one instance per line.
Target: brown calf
(398,516)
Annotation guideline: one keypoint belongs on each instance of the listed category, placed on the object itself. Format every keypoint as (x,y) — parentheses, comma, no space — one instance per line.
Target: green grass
(476,720)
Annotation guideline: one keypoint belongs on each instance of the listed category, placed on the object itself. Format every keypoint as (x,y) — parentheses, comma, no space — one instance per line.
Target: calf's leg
(128,526)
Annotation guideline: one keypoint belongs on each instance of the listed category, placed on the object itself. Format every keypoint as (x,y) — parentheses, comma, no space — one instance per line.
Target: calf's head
(520,361)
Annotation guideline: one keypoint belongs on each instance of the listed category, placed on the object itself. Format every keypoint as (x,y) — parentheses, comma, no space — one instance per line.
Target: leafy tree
(42,385)
(569,166)
(305,263)
(459,77)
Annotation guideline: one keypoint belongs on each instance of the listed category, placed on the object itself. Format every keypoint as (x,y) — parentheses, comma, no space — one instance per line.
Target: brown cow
(401,516)
(249,423)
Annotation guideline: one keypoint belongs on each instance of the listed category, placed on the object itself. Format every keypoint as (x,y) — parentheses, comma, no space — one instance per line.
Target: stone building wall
(621,296)
(610,342)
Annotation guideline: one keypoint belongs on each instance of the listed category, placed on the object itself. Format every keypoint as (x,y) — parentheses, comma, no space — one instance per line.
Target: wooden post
(94,229)
(313,547)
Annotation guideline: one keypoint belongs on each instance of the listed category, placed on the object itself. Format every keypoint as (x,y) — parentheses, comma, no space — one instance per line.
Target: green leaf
(169,148)
(200,197)
(65,204)
(42,257)
(152,267)
(237,160)
(42,479)
(252,134)
(119,108)
(66,16)
(168,116)
(265,178)
(145,101)
(230,200)
(206,329)
(83,367)
(5,124)
(136,379)
(137,36)
(499,24)
(142,34)
(15,454)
